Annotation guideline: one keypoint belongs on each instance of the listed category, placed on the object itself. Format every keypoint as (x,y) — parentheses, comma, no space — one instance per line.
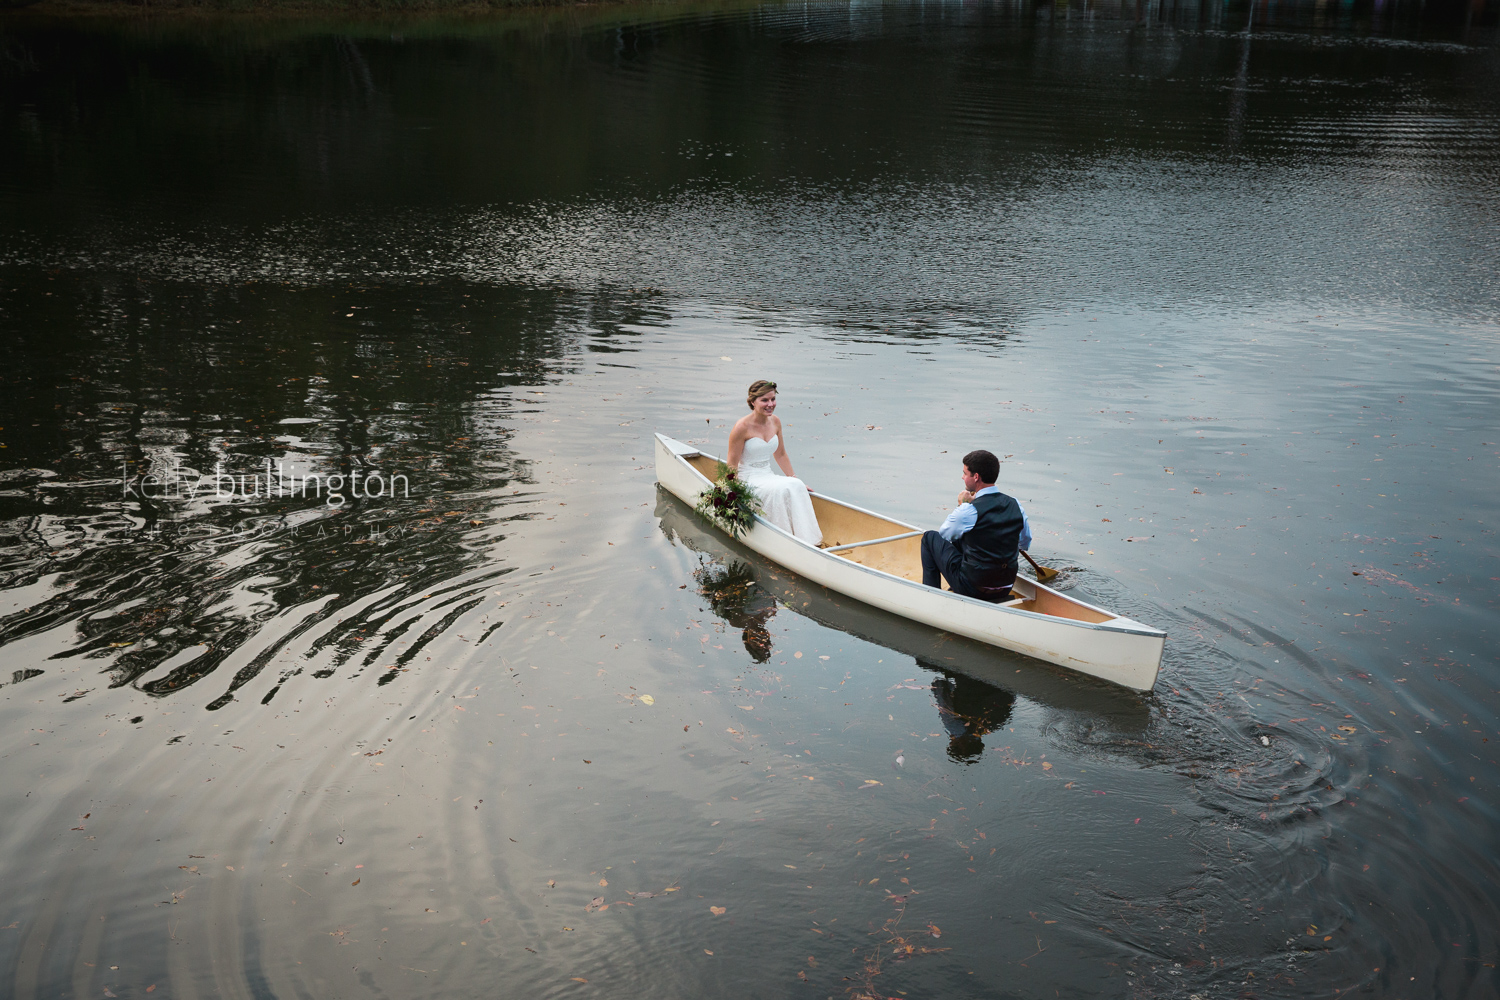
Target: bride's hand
(966,497)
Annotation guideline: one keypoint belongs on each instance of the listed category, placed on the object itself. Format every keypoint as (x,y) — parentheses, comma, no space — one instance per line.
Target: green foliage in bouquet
(730,503)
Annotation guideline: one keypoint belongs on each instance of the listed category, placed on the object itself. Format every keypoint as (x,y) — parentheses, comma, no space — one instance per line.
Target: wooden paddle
(1043,573)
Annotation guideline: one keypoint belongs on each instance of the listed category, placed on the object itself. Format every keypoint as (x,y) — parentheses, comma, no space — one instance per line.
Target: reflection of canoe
(877,560)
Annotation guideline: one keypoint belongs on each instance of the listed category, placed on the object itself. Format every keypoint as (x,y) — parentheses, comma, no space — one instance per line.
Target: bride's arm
(781,455)
(736,446)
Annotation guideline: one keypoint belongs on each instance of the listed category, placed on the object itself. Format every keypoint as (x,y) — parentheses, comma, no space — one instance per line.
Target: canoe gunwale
(1116,624)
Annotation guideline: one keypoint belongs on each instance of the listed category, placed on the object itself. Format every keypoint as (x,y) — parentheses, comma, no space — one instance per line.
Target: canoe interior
(841,525)
(706,464)
(1047,602)
(902,557)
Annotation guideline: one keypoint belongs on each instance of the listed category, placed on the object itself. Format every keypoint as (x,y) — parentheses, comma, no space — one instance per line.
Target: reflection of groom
(976,548)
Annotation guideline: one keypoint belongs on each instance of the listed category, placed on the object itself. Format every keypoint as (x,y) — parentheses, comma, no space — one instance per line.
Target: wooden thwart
(872,541)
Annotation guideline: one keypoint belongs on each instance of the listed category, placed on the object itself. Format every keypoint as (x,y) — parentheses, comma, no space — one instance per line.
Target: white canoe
(877,560)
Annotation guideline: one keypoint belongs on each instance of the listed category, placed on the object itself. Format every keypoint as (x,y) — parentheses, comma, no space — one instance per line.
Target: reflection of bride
(757,439)
(736,597)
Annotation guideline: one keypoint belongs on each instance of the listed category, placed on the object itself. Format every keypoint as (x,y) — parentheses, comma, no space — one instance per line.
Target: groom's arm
(959,522)
(1025,542)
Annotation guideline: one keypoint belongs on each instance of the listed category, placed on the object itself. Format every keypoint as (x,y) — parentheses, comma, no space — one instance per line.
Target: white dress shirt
(964,515)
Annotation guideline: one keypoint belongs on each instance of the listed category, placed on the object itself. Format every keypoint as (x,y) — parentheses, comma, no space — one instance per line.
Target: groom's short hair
(983,464)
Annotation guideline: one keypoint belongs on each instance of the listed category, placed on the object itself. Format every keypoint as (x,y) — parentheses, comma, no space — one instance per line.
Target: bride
(755,440)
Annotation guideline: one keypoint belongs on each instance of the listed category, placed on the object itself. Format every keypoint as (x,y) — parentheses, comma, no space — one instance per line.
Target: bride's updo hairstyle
(757,389)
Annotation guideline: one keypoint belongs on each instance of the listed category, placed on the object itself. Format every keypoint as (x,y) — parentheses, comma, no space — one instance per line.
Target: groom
(976,548)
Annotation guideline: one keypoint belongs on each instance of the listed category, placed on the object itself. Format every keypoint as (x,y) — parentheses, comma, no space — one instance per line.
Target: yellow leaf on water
(707,952)
(646,699)
(578,979)
(604,881)
(1046,766)
(717,911)
(797,655)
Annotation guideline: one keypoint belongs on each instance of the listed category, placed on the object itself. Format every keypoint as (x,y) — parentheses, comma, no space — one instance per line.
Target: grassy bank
(136,8)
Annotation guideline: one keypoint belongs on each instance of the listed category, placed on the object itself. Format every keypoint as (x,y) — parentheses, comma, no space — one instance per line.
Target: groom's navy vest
(990,547)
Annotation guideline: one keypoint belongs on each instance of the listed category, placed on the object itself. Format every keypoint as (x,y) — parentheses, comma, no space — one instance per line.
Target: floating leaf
(646,699)
(717,911)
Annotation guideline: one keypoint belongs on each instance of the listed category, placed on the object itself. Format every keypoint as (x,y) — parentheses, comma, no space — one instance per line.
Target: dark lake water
(504,719)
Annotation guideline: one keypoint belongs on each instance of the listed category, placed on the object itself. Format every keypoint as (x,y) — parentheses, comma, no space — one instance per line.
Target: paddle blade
(1043,573)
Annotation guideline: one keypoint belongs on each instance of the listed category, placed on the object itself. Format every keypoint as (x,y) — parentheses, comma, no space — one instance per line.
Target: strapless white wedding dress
(784,499)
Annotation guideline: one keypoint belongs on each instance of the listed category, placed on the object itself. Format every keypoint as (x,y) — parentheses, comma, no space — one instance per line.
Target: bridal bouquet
(730,503)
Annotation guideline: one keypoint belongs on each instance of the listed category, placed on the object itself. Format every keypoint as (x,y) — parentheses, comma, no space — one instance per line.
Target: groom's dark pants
(941,556)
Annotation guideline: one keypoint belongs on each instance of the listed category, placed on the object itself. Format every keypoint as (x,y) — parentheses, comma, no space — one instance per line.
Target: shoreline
(81,9)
